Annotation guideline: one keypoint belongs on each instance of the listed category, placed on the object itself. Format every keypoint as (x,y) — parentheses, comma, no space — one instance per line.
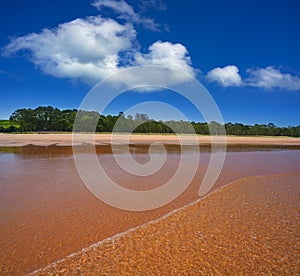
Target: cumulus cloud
(172,62)
(83,48)
(167,54)
(226,76)
(127,12)
(267,78)
(94,47)
(271,77)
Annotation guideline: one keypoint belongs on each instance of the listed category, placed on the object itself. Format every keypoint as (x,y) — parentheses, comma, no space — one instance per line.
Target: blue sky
(246,53)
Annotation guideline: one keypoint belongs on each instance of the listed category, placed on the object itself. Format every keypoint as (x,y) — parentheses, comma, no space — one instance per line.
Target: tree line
(48,118)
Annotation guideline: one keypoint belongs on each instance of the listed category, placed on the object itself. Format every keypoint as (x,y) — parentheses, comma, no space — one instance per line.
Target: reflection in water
(30,151)
(46,212)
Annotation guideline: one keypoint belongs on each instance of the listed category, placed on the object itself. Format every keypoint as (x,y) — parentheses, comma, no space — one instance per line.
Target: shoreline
(65,139)
(117,236)
(57,202)
(75,258)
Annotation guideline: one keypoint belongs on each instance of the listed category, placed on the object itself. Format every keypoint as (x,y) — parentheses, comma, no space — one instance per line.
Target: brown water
(250,227)
(46,212)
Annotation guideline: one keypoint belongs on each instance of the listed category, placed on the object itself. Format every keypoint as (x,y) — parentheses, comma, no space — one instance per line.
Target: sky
(245,53)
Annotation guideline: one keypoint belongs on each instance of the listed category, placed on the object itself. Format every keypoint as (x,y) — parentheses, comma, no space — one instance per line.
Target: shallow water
(250,227)
(46,212)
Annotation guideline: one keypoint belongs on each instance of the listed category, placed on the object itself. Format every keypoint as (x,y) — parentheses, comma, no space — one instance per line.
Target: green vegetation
(47,118)
(8,126)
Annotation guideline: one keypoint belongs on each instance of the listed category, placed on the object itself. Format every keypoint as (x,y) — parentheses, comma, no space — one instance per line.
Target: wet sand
(249,227)
(46,212)
(8,140)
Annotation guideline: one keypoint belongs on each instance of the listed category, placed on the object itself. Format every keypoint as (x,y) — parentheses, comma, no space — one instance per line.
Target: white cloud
(84,48)
(270,78)
(166,54)
(152,4)
(120,7)
(93,48)
(126,12)
(226,76)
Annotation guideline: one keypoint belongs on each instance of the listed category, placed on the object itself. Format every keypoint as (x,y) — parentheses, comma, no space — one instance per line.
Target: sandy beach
(47,213)
(149,137)
(248,227)
(9,140)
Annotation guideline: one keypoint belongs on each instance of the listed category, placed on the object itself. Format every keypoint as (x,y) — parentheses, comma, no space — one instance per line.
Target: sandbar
(65,139)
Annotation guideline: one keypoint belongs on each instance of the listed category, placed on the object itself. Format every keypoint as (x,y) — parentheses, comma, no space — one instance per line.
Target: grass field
(6,124)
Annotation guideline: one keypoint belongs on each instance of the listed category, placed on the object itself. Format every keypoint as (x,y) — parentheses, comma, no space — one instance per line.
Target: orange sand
(47,213)
(250,227)
(66,139)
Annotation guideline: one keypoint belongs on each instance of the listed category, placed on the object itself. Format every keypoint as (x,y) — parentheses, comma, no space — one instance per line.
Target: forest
(50,119)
